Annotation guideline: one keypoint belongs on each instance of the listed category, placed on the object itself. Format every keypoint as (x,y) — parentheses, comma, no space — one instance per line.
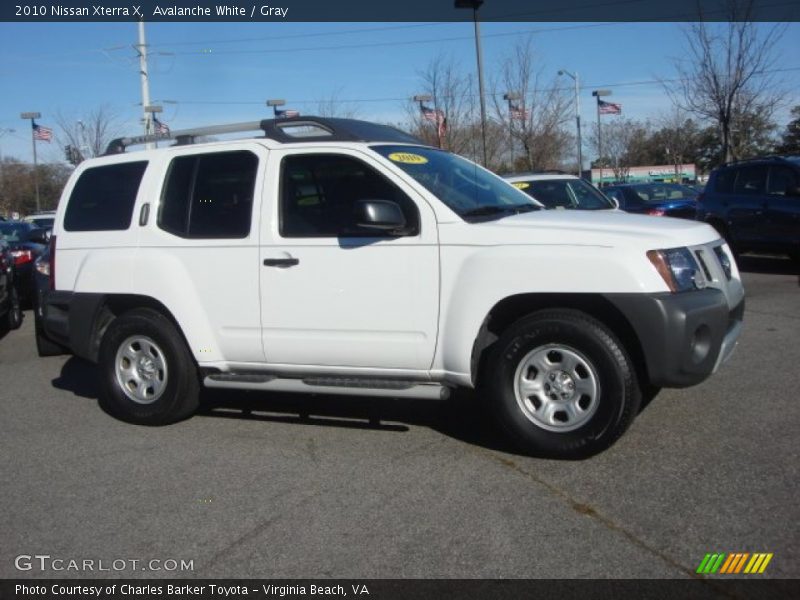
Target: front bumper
(684,337)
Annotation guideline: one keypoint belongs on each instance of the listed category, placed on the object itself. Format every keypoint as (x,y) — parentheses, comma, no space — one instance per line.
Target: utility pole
(2,166)
(141,48)
(475,5)
(510,97)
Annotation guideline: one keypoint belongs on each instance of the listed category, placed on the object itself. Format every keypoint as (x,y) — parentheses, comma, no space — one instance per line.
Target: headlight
(678,268)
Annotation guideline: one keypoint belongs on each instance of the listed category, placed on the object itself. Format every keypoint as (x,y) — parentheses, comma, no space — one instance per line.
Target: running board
(347,386)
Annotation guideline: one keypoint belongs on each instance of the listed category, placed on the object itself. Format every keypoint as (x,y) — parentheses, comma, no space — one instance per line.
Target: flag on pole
(160,128)
(286,113)
(44,134)
(609,108)
(520,114)
(431,114)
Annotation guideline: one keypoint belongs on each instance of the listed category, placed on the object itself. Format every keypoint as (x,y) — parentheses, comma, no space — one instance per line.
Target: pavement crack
(607,522)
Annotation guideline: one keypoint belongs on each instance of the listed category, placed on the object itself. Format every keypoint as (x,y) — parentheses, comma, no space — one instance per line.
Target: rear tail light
(52,262)
(656,212)
(21,257)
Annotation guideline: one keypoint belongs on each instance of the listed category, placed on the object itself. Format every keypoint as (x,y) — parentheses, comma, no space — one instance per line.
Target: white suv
(339,256)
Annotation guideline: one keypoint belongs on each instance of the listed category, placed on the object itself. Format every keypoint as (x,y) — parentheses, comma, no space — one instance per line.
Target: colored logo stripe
(734,563)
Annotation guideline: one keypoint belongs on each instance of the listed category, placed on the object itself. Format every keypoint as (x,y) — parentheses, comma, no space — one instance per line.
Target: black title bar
(67,11)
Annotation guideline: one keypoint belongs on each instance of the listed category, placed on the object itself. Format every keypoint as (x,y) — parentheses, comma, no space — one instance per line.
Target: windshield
(15,232)
(659,192)
(565,193)
(468,190)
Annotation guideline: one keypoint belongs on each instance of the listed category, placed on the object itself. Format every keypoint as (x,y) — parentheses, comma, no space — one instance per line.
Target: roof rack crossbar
(280,130)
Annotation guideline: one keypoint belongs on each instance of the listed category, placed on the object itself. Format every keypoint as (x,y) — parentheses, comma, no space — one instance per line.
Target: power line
(587,86)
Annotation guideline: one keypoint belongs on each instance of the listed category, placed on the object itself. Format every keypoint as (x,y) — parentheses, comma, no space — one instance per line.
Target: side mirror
(39,236)
(383,215)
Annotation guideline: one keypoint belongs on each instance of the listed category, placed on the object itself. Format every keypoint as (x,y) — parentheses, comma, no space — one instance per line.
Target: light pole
(575,78)
(3,132)
(599,94)
(511,97)
(32,116)
(475,5)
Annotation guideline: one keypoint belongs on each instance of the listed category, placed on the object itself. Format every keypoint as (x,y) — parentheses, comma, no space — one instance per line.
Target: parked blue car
(658,199)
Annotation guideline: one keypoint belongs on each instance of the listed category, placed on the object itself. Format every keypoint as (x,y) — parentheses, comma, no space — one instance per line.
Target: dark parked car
(658,199)
(26,242)
(10,310)
(755,204)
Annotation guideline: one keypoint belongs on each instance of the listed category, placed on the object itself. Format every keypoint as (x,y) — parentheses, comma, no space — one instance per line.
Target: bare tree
(620,137)
(676,135)
(726,72)
(545,109)
(90,134)
(452,94)
(332,106)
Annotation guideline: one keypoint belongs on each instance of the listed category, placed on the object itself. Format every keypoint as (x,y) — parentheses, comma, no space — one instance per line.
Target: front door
(333,293)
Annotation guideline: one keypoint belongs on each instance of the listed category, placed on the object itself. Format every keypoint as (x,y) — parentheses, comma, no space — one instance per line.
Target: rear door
(783,208)
(747,206)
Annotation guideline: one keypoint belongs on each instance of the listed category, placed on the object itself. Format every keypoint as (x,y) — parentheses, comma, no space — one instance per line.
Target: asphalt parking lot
(294,486)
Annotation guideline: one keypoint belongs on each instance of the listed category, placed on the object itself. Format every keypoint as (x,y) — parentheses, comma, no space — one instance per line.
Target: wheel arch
(513,308)
(108,307)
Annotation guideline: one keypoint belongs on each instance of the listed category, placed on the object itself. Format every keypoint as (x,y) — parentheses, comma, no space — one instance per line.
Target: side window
(103,198)
(752,181)
(725,180)
(781,179)
(320,193)
(209,195)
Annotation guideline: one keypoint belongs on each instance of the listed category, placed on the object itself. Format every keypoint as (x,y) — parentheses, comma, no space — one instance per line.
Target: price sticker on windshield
(521,185)
(408,158)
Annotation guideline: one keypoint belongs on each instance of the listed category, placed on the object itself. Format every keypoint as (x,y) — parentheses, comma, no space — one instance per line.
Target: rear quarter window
(103,198)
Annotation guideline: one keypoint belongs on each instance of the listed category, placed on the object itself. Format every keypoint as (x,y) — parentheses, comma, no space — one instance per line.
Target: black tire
(180,393)
(13,318)
(602,363)
(44,345)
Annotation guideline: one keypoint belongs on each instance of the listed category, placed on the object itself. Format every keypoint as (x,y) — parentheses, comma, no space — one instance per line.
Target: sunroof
(304,130)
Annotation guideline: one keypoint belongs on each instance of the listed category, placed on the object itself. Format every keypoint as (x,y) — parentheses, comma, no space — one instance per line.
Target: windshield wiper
(496,209)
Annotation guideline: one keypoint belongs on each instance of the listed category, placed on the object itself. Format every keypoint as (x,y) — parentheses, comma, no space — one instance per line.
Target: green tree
(790,142)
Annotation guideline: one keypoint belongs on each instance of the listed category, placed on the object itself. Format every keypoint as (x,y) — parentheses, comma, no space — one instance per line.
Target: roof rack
(285,131)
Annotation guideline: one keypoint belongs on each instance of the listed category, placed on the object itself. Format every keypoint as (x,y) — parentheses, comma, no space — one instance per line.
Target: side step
(347,386)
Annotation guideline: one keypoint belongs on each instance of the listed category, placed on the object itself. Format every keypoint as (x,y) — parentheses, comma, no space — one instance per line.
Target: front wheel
(148,375)
(562,385)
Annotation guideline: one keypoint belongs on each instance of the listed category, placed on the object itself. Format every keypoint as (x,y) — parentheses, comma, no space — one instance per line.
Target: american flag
(520,114)
(286,114)
(431,114)
(44,134)
(161,128)
(609,108)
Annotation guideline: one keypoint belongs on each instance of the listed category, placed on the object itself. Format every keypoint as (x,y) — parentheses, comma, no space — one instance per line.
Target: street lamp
(511,97)
(475,5)
(599,94)
(575,78)
(32,116)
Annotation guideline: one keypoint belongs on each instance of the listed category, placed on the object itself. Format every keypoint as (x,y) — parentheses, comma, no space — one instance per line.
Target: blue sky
(72,68)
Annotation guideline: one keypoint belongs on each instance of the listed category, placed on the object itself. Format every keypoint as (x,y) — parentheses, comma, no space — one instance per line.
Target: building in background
(646,174)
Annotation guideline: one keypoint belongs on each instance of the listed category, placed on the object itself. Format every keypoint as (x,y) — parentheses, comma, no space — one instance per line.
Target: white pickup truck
(338,256)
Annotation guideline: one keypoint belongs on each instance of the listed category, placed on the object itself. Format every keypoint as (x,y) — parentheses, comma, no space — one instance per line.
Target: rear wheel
(562,385)
(13,318)
(148,375)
